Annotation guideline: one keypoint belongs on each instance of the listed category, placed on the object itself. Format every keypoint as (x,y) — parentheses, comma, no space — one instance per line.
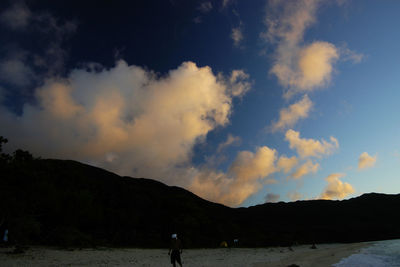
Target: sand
(324,255)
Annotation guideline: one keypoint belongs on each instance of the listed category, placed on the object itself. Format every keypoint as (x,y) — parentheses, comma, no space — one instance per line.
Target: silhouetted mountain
(67,203)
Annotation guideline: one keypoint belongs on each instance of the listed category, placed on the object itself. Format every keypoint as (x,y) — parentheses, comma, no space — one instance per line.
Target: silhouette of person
(176,248)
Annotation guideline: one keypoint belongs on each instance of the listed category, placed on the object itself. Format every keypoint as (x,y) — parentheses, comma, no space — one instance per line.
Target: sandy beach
(324,255)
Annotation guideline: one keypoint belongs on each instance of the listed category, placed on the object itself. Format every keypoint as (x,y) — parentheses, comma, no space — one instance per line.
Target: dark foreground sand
(324,255)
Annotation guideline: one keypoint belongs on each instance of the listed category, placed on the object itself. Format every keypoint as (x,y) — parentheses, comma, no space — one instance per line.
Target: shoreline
(303,255)
(324,255)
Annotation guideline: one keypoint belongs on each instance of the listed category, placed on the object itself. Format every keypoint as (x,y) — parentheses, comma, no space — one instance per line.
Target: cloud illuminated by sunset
(366,161)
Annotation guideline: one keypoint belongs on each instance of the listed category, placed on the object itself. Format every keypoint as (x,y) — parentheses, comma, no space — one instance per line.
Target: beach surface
(323,255)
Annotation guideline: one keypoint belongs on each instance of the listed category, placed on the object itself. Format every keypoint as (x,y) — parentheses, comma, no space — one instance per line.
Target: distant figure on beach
(176,248)
(5,237)
(3,229)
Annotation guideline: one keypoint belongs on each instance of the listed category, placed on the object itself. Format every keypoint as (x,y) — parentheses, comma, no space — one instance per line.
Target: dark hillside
(67,203)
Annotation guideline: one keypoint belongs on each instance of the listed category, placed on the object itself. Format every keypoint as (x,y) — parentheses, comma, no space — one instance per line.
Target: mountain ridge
(68,203)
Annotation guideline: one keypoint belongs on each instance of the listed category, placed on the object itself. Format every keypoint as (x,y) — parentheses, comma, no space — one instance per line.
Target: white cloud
(16,17)
(336,189)
(366,161)
(306,168)
(310,147)
(271,198)
(289,116)
(237,35)
(298,67)
(286,164)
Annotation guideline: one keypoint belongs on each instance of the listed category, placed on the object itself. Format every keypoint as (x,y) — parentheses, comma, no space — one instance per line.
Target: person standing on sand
(176,248)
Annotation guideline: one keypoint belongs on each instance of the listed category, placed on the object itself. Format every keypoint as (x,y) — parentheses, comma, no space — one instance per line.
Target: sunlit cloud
(286,164)
(126,119)
(366,161)
(246,176)
(314,66)
(310,147)
(298,67)
(250,166)
(289,116)
(306,168)
(336,189)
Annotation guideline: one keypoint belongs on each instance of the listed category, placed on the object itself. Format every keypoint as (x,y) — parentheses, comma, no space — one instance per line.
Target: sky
(240,102)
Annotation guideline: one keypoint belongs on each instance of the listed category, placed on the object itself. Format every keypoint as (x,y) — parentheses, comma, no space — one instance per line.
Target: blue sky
(277,100)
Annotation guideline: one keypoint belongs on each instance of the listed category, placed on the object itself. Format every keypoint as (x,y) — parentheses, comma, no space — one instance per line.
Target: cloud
(246,176)
(21,67)
(205,7)
(366,161)
(305,169)
(237,36)
(231,140)
(238,83)
(350,55)
(226,3)
(16,17)
(313,69)
(271,198)
(250,166)
(289,116)
(294,196)
(149,122)
(336,189)
(14,71)
(53,57)
(298,67)
(286,164)
(315,65)
(218,186)
(310,147)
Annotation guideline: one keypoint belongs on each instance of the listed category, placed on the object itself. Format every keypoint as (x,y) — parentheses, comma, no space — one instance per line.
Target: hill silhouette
(67,203)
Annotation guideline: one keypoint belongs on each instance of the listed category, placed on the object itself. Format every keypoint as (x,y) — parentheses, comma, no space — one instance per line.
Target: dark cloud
(271,198)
